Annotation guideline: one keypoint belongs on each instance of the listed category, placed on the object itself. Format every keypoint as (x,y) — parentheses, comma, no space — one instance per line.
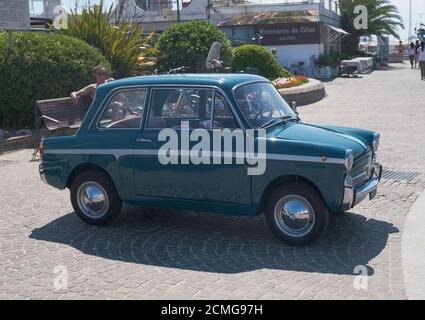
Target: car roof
(222,80)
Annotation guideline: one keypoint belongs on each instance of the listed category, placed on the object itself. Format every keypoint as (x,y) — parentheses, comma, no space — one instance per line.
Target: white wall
(293,54)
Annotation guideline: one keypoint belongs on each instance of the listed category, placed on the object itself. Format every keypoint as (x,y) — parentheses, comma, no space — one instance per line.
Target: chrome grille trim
(361,169)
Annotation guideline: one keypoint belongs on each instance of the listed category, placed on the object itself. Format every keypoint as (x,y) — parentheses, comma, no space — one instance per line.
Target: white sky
(418,14)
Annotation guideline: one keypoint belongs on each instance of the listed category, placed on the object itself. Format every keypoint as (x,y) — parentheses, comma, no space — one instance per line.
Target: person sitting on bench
(100,73)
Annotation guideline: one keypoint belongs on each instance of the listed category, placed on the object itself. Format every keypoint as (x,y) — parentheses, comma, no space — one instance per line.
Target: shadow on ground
(218,243)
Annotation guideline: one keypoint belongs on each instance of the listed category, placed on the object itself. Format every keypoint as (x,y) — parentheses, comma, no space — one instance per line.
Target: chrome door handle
(141,140)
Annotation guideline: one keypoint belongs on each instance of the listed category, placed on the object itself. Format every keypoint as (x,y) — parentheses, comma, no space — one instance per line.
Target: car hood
(320,135)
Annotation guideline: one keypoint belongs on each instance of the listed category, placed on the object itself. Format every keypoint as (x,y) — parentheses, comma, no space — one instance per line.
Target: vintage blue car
(309,171)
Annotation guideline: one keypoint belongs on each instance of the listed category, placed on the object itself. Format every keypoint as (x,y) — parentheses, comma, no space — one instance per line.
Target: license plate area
(373,194)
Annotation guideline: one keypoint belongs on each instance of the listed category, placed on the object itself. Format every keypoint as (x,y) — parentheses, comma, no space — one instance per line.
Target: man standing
(417,47)
(422,60)
(274,53)
(400,49)
(100,73)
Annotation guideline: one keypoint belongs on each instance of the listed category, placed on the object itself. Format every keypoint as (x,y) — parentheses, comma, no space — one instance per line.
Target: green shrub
(251,55)
(332,59)
(187,44)
(41,66)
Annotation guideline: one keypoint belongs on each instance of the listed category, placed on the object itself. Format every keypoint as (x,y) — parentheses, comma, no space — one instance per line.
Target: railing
(331,5)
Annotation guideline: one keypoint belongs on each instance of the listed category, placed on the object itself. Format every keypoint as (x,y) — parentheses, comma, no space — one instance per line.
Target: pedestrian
(417,47)
(412,54)
(400,49)
(274,53)
(101,76)
(422,60)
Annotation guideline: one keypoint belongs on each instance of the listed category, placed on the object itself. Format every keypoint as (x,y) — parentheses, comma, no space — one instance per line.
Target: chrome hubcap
(92,199)
(294,215)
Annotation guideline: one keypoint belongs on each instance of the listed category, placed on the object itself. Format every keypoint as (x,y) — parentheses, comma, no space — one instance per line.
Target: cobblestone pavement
(159,254)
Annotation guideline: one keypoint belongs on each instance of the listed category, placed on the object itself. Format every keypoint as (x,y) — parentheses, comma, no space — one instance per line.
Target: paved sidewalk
(413,253)
(160,254)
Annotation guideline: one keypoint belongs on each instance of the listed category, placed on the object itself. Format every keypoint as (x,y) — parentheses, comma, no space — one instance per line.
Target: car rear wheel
(297,214)
(94,198)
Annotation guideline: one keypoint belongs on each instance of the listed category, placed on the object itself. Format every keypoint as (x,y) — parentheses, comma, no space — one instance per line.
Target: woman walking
(412,54)
(417,47)
(422,59)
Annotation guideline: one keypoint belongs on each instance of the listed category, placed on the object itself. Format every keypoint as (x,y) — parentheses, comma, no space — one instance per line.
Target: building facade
(297,29)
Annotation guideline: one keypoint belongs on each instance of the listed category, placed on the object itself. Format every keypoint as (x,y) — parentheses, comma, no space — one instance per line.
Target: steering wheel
(260,114)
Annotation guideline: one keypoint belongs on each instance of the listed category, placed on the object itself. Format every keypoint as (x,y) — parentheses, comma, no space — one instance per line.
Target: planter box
(305,94)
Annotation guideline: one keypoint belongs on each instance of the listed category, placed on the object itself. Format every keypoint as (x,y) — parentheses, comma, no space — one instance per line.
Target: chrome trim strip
(345,135)
(117,153)
(354,139)
(288,157)
(361,175)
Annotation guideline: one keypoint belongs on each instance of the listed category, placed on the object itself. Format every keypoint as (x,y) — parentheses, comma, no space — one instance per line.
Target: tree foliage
(256,56)
(41,66)
(187,44)
(383,19)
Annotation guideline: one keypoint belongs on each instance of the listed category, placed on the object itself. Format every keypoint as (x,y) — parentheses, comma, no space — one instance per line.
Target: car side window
(222,114)
(170,106)
(124,110)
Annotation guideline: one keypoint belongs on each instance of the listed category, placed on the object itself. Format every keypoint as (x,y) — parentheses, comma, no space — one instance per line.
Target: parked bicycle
(317,68)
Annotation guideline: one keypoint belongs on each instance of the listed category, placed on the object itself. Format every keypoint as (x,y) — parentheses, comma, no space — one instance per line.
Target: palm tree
(383,19)
(120,41)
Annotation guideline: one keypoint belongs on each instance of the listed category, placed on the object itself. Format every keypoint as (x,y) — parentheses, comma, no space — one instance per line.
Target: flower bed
(285,83)
(301,90)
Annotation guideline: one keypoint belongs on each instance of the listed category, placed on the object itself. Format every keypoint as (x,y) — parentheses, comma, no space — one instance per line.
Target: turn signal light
(40,150)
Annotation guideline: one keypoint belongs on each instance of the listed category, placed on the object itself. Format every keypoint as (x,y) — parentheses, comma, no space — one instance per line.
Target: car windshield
(262,105)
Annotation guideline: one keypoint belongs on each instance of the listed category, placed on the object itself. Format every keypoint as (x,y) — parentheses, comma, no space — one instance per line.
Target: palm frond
(120,41)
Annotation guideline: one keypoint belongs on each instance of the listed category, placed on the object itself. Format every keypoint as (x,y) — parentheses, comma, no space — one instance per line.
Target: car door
(114,132)
(181,111)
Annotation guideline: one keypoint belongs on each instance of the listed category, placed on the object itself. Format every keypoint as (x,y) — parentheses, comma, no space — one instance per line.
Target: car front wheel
(94,198)
(297,214)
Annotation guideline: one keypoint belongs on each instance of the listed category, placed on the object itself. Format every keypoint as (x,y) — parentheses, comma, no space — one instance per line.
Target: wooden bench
(61,113)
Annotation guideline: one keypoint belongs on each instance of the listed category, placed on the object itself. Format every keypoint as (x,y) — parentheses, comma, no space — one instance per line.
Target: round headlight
(349,159)
(376,139)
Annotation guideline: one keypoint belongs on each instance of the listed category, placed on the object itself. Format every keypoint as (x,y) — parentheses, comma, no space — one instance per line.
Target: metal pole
(178,10)
(9,43)
(410,20)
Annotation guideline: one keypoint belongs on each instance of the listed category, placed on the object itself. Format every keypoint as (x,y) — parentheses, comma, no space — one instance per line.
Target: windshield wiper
(274,122)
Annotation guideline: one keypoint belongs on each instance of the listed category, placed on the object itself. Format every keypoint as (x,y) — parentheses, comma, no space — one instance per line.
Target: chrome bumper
(41,173)
(353,196)
(368,189)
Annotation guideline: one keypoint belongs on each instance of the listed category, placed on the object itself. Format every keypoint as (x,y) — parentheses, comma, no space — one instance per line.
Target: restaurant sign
(289,33)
